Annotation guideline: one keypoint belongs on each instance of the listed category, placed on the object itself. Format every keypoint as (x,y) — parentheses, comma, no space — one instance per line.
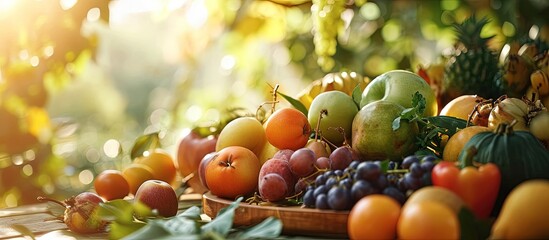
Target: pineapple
(473,66)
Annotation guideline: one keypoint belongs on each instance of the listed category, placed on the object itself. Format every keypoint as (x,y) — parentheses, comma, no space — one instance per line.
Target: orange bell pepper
(477,187)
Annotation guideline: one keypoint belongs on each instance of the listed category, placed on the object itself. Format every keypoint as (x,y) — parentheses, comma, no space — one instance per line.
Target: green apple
(340,111)
(246,132)
(373,137)
(399,86)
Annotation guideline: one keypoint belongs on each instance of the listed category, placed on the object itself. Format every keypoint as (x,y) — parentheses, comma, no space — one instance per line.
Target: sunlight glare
(67,4)
(7,5)
(197,14)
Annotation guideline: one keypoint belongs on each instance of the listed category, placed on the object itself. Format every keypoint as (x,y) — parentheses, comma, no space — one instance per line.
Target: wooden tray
(296,220)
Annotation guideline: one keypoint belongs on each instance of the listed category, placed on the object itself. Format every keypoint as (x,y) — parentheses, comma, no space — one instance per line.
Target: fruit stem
(273,103)
(322,113)
(469,154)
(41,199)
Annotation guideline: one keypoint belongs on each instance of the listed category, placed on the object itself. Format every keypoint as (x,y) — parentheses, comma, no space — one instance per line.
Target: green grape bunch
(326,16)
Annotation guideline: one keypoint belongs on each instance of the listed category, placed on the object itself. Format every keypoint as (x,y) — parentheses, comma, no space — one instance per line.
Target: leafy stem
(433,130)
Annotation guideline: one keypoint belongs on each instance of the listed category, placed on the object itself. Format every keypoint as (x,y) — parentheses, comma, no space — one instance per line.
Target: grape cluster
(326,15)
(341,189)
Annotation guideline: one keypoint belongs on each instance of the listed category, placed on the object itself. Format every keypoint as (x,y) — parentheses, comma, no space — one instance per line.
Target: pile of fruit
(456,150)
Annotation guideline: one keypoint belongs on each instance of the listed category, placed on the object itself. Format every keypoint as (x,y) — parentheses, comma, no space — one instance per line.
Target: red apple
(192,148)
(159,195)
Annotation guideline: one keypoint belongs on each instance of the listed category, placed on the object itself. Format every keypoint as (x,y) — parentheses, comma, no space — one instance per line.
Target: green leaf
(419,103)
(116,210)
(452,124)
(145,143)
(180,225)
(295,103)
(192,213)
(471,227)
(153,230)
(396,123)
(271,227)
(357,95)
(384,165)
(223,222)
(119,230)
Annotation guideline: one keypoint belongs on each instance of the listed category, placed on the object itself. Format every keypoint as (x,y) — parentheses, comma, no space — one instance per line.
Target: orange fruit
(111,184)
(374,217)
(428,220)
(161,163)
(461,107)
(136,174)
(455,143)
(288,128)
(233,172)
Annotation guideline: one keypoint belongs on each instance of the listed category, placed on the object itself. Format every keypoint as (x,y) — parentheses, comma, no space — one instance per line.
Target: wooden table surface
(44,225)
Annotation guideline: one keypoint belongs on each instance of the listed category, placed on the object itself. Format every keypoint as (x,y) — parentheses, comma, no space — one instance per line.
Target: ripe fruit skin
(340,111)
(272,187)
(524,212)
(192,148)
(161,164)
(282,168)
(245,132)
(233,172)
(428,220)
(136,174)
(374,217)
(437,194)
(288,128)
(461,107)
(158,195)
(398,86)
(455,143)
(373,136)
(202,168)
(111,184)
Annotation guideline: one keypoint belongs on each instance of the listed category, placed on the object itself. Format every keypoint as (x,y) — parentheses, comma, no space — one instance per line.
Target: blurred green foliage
(229,53)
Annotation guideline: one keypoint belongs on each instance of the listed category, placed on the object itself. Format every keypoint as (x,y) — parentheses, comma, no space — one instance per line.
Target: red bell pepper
(477,187)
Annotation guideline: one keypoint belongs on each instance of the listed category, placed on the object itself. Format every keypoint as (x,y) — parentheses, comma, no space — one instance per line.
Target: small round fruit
(428,220)
(455,143)
(234,172)
(288,128)
(302,162)
(136,174)
(161,163)
(340,112)
(272,187)
(374,217)
(111,184)
(280,167)
(159,195)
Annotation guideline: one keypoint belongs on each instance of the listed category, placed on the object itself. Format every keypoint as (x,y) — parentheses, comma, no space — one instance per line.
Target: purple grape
(322,202)
(309,198)
(381,182)
(396,194)
(353,164)
(320,180)
(407,161)
(347,183)
(429,158)
(320,190)
(331,182)
(360,189)
(339,198)
(427,166)
(416,170)
(341,157)
(368,171)
(411,182)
